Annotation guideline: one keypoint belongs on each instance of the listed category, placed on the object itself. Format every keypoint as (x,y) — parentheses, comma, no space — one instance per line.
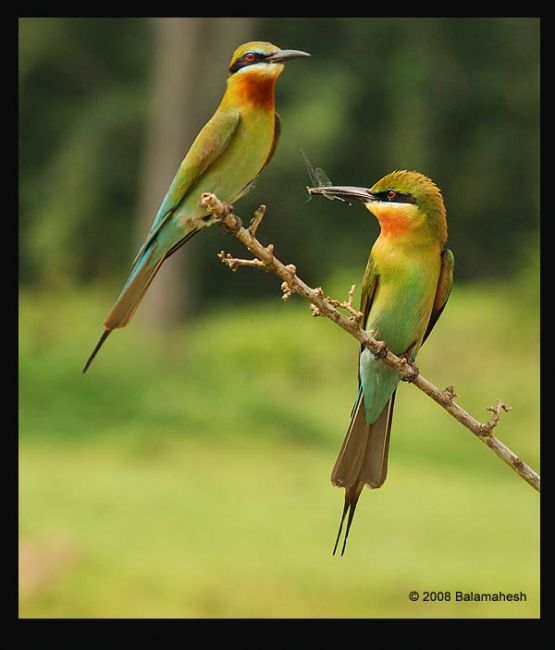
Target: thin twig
(235,262)
(348,305)
(257,219)
(323,306)
(496,410)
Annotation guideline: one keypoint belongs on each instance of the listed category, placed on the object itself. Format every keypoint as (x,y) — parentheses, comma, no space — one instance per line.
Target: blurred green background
(187,474)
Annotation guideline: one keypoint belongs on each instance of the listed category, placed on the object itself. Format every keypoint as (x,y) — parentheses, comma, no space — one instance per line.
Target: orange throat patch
(256,89)
(394,220)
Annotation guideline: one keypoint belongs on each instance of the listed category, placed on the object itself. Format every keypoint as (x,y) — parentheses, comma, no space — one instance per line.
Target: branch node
(287,291)
(314,310)
(448,395)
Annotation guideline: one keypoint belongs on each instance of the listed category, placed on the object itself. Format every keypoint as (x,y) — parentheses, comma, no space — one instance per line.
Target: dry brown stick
(322,306)
(235,263)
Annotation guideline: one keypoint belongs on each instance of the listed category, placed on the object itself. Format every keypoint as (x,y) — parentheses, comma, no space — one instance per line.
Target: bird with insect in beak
(228,154)
(405,287)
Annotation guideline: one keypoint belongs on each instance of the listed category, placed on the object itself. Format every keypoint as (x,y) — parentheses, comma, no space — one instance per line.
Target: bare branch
(323,306)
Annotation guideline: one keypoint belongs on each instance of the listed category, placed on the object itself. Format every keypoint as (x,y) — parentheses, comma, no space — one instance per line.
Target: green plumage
(225,158)
(406,285)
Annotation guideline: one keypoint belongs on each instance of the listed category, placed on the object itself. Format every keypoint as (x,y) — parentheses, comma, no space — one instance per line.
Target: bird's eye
(392,194)
(250,57)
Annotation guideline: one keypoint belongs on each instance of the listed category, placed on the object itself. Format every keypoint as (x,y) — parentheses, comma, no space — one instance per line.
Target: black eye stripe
(399,198)
(243,62)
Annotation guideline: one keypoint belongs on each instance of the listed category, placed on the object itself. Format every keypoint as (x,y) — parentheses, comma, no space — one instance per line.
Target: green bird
(405,288)
(225,158)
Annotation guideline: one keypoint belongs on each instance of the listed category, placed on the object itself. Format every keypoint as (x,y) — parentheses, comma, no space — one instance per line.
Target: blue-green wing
(208,146)
(444,285)
(277,133)
(368,290)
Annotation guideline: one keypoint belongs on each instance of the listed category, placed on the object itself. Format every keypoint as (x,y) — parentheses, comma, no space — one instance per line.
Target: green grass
(189,473)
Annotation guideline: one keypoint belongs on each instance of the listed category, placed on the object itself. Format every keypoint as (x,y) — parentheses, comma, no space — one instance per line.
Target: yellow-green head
(253,71)
(403,201)
(261,57)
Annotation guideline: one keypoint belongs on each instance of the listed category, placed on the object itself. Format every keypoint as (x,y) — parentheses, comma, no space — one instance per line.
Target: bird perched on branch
(406,285)
(225,158)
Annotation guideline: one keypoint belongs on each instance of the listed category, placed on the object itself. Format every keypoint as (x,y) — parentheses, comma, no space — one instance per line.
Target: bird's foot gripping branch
(321,305)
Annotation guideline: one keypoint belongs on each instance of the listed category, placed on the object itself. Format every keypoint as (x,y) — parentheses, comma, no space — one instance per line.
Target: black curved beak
(286,55)
(345,193)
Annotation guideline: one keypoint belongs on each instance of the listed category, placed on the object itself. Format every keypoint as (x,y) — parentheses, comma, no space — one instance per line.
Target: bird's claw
(232,229)
(411,372)
(227,209)
(382,351)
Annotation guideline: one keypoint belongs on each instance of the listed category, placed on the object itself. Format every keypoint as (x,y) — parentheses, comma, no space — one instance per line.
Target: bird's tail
(134,289)
(362,459)
(131,295)
(145,268)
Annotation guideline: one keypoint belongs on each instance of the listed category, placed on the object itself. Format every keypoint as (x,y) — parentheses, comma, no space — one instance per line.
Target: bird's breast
(408,279)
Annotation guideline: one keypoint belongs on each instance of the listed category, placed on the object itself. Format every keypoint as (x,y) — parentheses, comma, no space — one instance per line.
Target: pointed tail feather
(96,349)
(126,305)
(146,266)
(362,459)
(351,498)
(129,299)
(138,282)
